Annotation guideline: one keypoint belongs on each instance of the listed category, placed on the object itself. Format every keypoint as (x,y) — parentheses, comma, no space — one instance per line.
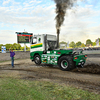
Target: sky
(81,22)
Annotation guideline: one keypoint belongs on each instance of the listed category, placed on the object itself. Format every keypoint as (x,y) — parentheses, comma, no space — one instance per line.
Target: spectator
(12,54)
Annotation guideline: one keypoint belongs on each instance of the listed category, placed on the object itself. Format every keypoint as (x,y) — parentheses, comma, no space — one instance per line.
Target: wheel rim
(37,59)
(64,64)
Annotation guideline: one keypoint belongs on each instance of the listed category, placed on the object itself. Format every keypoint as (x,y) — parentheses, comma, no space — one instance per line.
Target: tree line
(72,44)
(79,44)
(16,46)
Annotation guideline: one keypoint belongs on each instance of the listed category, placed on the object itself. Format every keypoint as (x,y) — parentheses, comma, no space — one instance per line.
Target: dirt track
(28,70)
(80,78)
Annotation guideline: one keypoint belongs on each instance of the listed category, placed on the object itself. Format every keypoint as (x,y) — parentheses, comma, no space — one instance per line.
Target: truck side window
(39,40)
(34,40)
(51,45)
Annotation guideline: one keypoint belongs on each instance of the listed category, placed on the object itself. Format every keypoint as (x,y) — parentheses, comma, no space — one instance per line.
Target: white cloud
(94,30)
(36,17)
(41,19)
(79,26)
(30,3)
(6,2)
(35,1)
(7,36)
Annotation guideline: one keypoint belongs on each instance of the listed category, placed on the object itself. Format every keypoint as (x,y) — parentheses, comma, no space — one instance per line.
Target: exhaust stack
(58,32)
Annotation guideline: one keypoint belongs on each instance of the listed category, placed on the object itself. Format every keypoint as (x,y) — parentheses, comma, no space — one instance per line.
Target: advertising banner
(24,37)
(3,49)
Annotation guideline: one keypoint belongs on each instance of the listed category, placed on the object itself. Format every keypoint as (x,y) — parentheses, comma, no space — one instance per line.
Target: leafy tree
(21,48)
(82,45)
(94,43)
(27,48)
(63,42)
(1,46)
(8,46)
(14,46)
(18,46)
(78,44)
(72,44)
(88,42)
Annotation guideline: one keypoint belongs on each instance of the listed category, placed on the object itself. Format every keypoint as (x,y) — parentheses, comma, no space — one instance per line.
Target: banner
(3,49)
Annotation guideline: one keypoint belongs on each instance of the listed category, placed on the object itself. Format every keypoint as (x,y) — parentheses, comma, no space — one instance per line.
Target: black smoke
(61,7)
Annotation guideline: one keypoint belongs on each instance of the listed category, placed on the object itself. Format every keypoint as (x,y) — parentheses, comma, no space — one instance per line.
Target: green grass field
(19,89)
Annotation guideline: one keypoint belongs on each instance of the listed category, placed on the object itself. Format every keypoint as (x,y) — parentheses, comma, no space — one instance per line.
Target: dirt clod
(91,68)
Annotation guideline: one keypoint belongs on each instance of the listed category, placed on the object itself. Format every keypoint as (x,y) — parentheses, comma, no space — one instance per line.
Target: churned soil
(29,71)
(91,68)
(92,64)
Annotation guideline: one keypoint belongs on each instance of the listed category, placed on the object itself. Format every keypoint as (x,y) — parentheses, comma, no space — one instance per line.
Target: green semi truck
(44,50)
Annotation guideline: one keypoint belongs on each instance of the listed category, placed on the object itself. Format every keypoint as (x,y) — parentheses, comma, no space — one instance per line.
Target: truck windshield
(34,40)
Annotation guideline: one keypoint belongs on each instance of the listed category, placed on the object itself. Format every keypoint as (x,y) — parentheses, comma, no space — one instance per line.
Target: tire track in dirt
(90,82)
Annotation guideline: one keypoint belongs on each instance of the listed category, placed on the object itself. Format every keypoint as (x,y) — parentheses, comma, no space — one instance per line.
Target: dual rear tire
(66,63)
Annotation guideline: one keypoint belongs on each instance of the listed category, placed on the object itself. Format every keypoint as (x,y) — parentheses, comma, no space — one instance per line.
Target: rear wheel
(37,59)
(66,63)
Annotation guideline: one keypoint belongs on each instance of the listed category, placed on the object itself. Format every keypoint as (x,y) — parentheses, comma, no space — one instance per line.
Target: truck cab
(43,42)
(44,49)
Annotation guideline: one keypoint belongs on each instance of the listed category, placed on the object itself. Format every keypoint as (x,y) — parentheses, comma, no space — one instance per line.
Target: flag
(68,44)
(97,42)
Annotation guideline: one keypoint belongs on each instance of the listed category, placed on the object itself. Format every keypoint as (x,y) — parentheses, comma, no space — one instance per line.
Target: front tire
(66,63)
(37,60)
